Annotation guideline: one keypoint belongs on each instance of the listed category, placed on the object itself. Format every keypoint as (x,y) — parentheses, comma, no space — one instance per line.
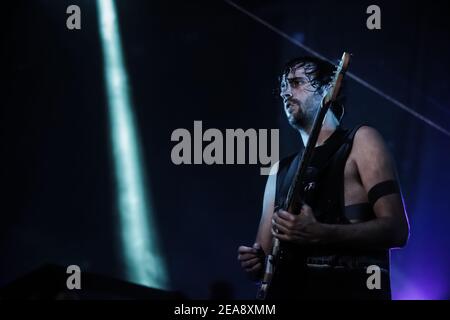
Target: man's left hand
(300,229)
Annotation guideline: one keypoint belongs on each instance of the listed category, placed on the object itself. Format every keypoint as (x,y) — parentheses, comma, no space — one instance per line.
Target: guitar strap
(321,158)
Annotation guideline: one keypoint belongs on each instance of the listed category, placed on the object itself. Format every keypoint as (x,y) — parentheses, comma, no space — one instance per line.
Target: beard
(298,118)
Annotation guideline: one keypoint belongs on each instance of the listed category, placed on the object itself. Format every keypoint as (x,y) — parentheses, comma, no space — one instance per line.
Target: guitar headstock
(336,83)
(343,63)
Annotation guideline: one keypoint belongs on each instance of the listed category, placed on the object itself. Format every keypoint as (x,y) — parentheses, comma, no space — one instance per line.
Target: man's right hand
(252,260)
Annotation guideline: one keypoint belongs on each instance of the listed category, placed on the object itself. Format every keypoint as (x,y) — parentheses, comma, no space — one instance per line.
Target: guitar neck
(294,199)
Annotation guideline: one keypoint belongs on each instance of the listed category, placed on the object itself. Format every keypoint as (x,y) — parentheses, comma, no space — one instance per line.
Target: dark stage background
(205,60)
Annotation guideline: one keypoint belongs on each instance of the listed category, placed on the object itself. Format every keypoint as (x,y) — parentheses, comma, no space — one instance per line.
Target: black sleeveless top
(327,201)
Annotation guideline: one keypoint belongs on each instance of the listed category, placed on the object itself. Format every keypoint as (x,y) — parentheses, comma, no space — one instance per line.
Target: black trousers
(326,283)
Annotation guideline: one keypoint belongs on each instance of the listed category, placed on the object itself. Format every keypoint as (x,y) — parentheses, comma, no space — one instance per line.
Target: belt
(346,262)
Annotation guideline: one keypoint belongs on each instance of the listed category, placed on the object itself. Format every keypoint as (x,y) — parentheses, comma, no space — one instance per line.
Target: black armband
(382,189)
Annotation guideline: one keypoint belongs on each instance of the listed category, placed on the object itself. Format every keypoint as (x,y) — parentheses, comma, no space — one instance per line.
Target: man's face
(300,99)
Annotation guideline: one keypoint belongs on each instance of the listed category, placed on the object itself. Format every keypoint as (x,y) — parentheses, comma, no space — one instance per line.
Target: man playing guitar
(354,215)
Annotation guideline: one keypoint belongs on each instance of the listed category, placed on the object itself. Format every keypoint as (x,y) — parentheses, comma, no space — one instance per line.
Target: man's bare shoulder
(372,156)
(368,140)
(367,134)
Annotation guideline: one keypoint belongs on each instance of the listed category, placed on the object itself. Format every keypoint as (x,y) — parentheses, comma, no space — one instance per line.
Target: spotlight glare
(144,261)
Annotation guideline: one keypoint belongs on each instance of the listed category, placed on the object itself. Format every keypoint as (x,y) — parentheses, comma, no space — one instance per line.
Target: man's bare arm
(390,227)
(252,258)
(264,236)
